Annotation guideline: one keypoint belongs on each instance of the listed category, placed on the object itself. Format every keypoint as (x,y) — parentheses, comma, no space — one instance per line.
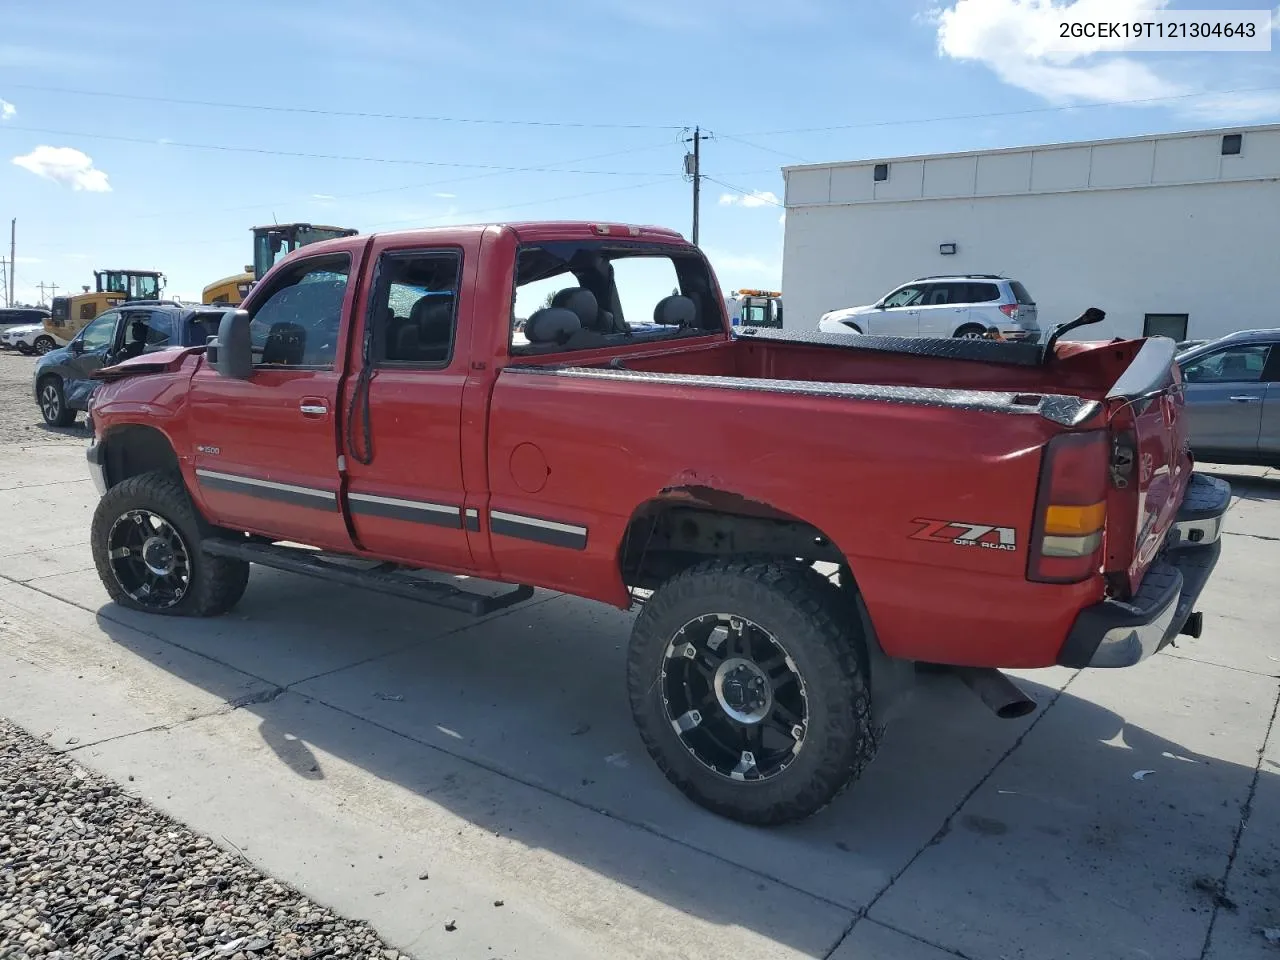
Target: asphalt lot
(408,766)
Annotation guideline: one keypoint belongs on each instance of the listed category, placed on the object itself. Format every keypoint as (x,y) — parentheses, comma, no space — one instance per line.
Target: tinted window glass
(983,293)
(1235,365)
(1020,293)
(417,302)
(298,323)
(202,326)
(148,330)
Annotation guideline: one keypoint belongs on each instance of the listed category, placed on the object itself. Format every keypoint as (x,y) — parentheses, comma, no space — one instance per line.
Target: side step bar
(295,560)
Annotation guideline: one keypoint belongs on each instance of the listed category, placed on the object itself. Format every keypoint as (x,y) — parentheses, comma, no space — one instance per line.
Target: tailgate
(1151,463)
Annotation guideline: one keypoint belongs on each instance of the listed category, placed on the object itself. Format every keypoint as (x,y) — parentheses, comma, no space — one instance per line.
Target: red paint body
(592,452)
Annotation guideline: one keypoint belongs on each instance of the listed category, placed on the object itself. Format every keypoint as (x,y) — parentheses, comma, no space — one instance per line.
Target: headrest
(552,325)
(675,311)
(433,316)
(582,302)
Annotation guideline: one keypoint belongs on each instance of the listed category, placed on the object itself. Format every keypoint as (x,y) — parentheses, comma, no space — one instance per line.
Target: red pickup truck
(801,520)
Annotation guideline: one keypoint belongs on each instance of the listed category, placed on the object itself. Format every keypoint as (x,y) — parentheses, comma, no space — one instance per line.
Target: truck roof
(526,230)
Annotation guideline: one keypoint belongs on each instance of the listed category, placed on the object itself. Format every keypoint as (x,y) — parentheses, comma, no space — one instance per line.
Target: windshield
(608,294)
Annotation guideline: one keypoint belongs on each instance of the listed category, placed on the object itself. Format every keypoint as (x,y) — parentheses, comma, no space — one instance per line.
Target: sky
(153,135)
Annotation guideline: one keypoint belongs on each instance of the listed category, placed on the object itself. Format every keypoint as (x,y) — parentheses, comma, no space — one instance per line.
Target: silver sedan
(1233,398)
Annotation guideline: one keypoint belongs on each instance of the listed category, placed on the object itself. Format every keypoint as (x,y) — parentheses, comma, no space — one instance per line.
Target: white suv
(977,306)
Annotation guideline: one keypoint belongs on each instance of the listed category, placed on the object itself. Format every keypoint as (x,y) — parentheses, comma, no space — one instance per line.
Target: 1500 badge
(961,534)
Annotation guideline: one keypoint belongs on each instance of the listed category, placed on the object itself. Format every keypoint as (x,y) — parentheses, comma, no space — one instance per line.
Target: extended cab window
(415,307)
(579,295)
(297,324)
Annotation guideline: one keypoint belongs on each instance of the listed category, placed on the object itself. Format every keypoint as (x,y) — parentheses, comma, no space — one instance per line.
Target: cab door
(405,491)
(265,448)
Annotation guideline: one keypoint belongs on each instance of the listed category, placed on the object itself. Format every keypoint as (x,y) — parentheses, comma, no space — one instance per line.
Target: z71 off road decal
(961,534)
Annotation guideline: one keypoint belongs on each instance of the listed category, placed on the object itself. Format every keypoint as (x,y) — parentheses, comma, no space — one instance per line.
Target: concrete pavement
(407,766)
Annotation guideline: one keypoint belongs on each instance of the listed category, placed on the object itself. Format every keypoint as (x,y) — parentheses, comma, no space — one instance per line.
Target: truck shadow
(535,697)
(1248,486)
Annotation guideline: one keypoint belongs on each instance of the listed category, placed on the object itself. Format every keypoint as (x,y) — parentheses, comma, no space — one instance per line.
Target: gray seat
(286,345)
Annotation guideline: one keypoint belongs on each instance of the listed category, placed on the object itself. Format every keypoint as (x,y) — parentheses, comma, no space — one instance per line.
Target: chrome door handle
(1246,399)
(314,409)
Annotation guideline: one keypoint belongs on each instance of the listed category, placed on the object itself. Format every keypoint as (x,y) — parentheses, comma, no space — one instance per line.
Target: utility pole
(52,287)
(693,170)
(13,243)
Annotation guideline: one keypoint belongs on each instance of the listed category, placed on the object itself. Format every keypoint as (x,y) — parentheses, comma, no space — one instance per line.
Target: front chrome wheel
(734,697)
(149,559)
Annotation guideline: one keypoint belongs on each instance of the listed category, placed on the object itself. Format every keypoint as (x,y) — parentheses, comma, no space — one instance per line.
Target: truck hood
(162,361)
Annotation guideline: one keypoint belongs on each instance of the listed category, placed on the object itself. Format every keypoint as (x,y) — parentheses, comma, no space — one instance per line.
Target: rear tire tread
(851,736)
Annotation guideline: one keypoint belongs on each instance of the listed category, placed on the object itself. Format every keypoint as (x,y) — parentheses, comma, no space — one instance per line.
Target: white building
(1176,234)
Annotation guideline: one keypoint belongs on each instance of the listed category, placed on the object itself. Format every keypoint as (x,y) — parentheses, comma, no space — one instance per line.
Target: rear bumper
(1120,634)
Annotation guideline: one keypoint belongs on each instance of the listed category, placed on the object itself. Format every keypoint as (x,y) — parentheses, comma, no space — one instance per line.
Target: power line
(347,113)
(742,190)
(1002,113)
(327,156)
(451,181)
(757,146)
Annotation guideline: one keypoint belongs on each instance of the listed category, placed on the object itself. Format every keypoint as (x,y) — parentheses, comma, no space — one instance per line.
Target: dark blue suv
(62,381)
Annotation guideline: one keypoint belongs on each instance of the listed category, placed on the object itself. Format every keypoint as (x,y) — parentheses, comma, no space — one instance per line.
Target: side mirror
(232,353)
(77,346)
(880,305)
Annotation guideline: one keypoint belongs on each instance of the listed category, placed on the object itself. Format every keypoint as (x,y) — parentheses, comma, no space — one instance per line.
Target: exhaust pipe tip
(1004,698)
(1016,709)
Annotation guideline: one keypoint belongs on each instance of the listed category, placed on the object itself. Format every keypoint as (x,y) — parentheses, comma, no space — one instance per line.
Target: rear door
(899,315)
(1225,396)
(945,309)
(265,449)
(404,462)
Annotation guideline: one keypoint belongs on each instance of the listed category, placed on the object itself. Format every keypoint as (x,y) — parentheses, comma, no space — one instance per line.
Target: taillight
(1071,511)
(1010,310)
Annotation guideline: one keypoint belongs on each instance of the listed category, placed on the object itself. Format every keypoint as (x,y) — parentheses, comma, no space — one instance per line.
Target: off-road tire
(54,408)
(217,583)
(819,630)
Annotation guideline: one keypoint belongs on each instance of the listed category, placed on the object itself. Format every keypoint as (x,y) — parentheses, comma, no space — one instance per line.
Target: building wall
(1160,225)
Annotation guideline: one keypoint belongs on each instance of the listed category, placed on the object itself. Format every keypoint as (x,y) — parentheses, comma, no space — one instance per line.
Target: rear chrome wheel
(734,697)
(746,683)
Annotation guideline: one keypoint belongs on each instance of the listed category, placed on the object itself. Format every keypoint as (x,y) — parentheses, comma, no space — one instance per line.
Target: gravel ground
(20,420)
(86,870)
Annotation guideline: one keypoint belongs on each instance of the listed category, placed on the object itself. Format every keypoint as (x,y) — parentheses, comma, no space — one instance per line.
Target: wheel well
(132,450)
(971,325)
(684,527)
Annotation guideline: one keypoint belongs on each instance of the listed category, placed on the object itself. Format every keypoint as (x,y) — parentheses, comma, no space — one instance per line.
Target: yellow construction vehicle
(71,313)
(270,243)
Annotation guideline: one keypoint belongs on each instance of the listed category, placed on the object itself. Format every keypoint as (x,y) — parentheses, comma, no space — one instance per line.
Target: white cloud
(67,166)
(1228,108)
(7,110)
(1013,38)
(322,196)
(28,260)
(759,198)
(445,196)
